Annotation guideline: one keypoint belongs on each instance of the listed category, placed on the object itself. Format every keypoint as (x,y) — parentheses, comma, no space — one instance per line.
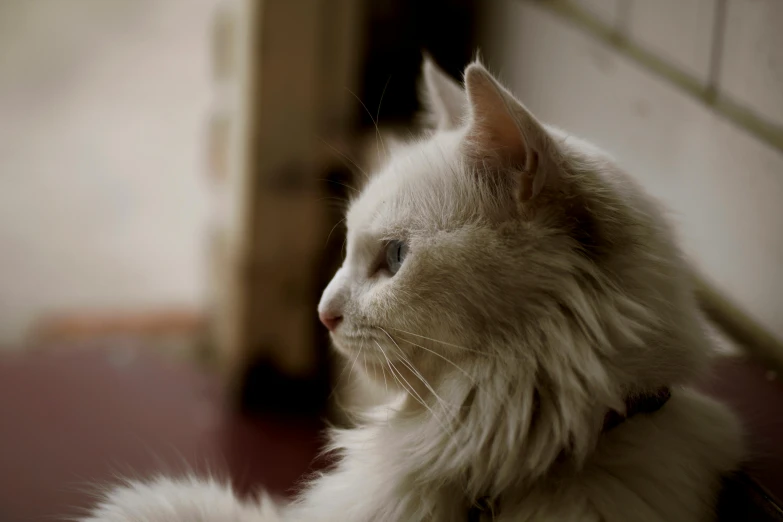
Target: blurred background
(173,175)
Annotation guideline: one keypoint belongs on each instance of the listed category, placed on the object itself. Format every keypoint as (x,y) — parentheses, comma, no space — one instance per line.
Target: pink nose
(330,321)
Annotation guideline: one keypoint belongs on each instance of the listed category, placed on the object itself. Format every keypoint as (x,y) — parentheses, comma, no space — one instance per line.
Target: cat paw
(184,500)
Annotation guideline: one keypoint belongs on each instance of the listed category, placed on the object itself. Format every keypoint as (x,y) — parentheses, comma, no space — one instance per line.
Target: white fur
(185,500)
(541,289)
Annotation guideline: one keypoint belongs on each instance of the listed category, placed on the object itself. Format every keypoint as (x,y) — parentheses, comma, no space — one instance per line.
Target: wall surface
(628,75)
(103,198)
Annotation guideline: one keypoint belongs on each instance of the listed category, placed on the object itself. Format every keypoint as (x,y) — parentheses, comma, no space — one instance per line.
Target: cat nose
(330,321)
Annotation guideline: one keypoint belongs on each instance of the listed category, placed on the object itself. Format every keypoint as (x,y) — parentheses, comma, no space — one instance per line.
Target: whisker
(408,388)
(486,354)
(413,390)
(397,380)
(344,156)
(378,115)
(337,383)
(408,364)
(428,338)
(339,207)
(341,201)
(386,389)
(332,230)
(338,183)
(431,351)
(380,102)
(378,137)
(361,348)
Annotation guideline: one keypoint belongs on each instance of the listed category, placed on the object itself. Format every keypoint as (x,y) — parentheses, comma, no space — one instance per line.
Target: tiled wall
(680,33)
(752,67)
(732,50)
(639,79)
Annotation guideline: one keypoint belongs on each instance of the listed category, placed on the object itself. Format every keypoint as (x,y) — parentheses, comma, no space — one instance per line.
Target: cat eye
(395,255)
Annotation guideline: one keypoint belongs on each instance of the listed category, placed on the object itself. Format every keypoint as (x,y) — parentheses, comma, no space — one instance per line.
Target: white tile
(607,11)
(722,185)
(678,32)
(752,68)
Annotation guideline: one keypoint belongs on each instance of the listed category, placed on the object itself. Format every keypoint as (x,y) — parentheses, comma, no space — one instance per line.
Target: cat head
(497,245)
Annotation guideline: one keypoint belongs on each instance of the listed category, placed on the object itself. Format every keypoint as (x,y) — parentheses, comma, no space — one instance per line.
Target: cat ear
(443,98)
(501,128)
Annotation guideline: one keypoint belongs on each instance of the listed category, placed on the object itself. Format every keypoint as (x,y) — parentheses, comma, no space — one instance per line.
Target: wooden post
(295,67)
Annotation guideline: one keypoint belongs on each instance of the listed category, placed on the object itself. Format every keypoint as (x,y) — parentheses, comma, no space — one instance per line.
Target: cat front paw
(183,500)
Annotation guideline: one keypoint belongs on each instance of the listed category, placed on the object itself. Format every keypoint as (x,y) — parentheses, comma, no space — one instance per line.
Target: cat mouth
(356,333)
(353,337)
(367,342)
(354,341)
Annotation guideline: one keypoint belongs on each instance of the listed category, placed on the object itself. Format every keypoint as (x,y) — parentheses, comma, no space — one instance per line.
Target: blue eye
(395,255)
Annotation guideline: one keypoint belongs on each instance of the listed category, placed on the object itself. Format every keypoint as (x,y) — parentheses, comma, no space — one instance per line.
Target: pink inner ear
(502,128)
(532,179)
(493,126)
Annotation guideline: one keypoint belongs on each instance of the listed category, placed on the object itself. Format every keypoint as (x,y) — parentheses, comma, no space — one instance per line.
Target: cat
(527,307)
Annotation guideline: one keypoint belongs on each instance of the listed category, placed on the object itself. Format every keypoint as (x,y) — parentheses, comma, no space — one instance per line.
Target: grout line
(623,20)
(766,131)
(716,51)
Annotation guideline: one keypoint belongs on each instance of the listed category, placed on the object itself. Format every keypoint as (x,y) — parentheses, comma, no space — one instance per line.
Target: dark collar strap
(484,508)
(647,403)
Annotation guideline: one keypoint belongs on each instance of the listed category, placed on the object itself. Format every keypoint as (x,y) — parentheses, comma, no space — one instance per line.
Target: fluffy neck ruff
(491,435)
(502,421)
(485,430)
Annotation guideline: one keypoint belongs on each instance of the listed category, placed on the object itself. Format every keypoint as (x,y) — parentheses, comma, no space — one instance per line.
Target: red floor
(73,420)
(70,420)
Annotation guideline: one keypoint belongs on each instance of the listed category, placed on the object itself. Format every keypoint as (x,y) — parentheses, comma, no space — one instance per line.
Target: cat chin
(351,343)
(346,347)
(351,352)
(361,349)
(368,356)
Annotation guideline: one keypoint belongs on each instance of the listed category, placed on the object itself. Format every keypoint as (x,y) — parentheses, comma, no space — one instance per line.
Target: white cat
(527,301)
